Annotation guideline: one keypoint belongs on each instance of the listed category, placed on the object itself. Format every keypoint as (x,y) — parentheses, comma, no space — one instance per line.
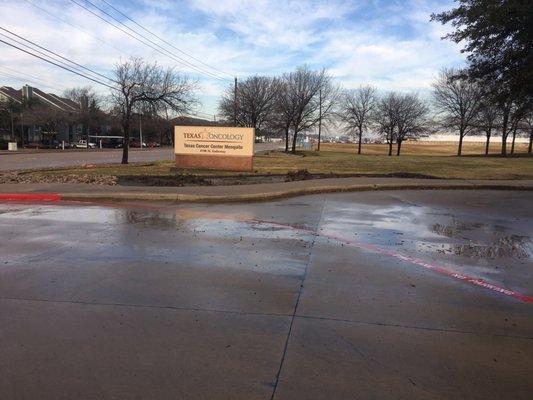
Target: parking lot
(376,295)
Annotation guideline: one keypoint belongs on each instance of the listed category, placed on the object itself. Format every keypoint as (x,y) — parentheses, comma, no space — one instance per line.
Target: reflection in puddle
(153,219)
(420,229)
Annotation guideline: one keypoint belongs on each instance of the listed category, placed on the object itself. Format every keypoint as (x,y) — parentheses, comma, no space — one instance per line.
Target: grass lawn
(425,159)
(426,148)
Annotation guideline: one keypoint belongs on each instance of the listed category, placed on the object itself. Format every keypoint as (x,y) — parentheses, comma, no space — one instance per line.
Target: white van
(82,144)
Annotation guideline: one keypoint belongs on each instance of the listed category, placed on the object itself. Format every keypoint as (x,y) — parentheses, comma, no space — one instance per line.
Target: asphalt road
(37,159)
(376,295)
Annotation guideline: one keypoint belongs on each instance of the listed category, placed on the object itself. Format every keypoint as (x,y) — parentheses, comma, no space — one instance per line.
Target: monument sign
(214,147)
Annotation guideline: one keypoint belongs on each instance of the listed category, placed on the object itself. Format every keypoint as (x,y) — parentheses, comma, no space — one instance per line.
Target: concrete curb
(197,198)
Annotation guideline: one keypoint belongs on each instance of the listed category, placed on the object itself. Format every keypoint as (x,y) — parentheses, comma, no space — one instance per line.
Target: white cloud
(242,38)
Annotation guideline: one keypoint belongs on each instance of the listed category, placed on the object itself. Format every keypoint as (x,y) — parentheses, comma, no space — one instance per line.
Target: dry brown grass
(422,148)
(433,160)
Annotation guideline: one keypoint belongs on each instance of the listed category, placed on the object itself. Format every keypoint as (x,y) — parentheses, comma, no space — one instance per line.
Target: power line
(165,41)
(155,46)
(52,52)
(159,47)
(34,80)
(75,26)
(57,65)
(29,75)
(38,81)
(46,57)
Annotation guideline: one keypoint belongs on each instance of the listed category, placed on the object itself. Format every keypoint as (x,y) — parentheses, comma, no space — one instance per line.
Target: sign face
(214,141)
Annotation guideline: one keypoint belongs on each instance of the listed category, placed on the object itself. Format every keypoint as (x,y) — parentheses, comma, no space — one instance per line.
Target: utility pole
(319,117)
(235,104)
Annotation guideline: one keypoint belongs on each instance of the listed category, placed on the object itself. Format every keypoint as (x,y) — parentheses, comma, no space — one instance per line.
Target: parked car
(82,144)
(136,144)
(35,145)
(152,144)
(59,145)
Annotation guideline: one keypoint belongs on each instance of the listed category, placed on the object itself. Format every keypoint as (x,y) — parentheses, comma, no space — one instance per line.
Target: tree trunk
(460,149)
(390,140)
(487,144)
(399,147)
(319,118)
(504,133)
(514,138)
(126,140)
(286,140)
(360,138)
(530,141)
(319,134)
(294,141)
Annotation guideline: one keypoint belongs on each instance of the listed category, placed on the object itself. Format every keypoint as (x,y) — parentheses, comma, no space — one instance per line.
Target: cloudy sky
(390,44)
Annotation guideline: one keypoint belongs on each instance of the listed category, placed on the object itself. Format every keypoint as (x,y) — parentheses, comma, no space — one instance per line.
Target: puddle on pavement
(172,235)
(86,214)
(485,247)
(488,246)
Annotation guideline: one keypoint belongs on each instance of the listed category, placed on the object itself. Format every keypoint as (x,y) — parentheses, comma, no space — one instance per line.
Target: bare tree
(517,115)
(89,104)
(302,89)
(385,117)
(528,119)
(487,119)
(256,100)
(48,119)
(411,118)
(356,109)
(284,110)
(328,98)
(458,100)
(144,85)
(9,111)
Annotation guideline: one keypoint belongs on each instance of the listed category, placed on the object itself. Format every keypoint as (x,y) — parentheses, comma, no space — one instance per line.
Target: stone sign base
(228,163)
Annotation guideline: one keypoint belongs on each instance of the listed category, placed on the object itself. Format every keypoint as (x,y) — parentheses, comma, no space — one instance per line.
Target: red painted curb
(30,197)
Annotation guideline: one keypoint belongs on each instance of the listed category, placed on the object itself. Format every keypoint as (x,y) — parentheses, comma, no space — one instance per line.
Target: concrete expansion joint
(262,314)
(300,289)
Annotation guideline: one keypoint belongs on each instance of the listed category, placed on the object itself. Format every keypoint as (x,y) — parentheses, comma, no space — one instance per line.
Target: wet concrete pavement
(340,296)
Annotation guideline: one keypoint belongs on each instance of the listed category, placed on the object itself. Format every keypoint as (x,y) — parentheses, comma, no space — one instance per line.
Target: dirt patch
(508,246)
(176,180)
(93,179)
(300,175)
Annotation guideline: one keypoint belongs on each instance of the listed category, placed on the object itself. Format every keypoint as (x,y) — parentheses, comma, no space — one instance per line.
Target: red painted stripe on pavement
(436,268)
(30,197)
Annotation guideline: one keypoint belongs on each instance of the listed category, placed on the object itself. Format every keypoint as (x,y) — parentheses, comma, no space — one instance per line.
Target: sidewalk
(257,192)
